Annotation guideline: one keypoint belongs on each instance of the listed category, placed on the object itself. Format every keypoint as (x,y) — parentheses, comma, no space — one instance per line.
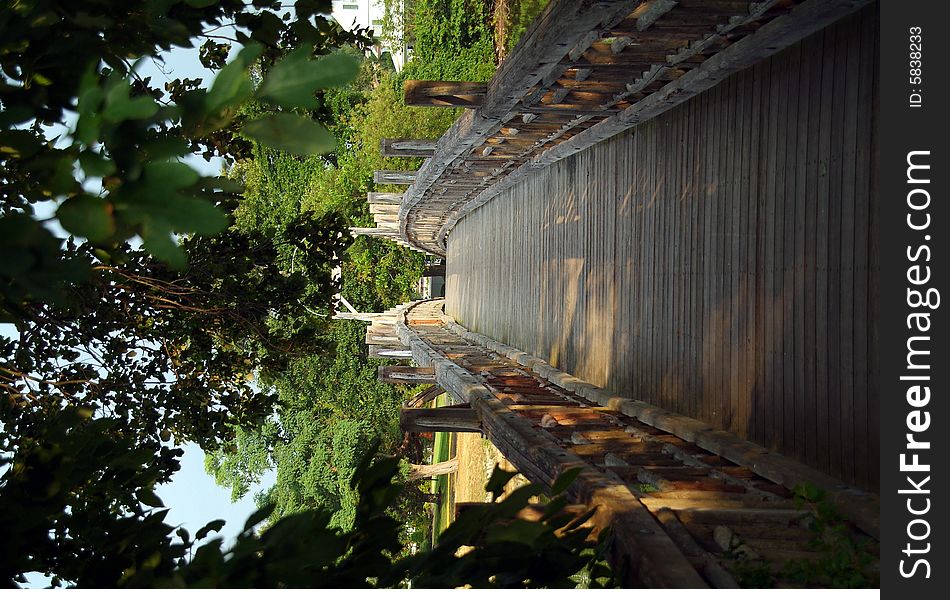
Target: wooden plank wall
(718,261)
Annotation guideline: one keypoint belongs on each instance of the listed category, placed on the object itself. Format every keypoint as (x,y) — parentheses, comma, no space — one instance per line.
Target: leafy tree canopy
(123,346)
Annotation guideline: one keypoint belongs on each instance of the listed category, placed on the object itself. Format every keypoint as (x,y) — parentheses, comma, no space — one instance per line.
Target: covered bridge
(659,221)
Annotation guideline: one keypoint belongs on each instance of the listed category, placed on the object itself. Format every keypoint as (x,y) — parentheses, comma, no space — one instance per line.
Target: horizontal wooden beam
(405,375)
(457,418)
(380,339)
(394,177)
(384,197)
(395,353)
(467,94)
(391,147)
(374,231)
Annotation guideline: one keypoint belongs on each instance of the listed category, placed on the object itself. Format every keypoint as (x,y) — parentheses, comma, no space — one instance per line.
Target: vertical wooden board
(536,234)
(711,265)
(804,419)
(648,277)
(848,225)
(667,251)
(705,267)
(687,367)
(865,468)
(651,312)
(793,429)
(760,160)
(874,225)
(656,256)
(619,266)
(634,249)
(611,221)
(684,364)
(811,95)
(733,206)
(781,414)
(727,199)
(835,175)
(661,289)
(772,390)
(821,260)
(669,262)
(679,230)
(713,348)
(698,270)
(681,233)
(629,223)
(745,237)
(718,403)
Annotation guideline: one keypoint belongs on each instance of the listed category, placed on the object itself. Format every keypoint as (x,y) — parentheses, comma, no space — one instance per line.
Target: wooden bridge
(659,220)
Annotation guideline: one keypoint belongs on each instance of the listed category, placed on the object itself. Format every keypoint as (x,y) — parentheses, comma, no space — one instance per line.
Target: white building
(351,14)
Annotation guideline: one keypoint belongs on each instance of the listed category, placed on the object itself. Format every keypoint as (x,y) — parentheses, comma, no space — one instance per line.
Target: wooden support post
(384,209)
(407,147)
(367,317)
(375,231)
(380,339)
(391,352)
(383,197)
(405,375)
(461,418)
(467,94)
(394,177)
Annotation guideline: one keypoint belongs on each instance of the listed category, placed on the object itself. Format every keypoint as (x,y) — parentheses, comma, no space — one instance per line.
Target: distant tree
(332,408)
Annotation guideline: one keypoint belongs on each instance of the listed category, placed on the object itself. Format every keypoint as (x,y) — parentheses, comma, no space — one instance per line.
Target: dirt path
(477,457)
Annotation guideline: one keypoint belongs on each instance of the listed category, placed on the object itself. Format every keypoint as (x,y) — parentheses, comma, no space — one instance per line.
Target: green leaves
(120,107)
(33,265)
(87,216)
(565,480)
(293,81)
(258,517)
(291,133)
(214,526)
(233,85)
(18,143)
(147,497)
